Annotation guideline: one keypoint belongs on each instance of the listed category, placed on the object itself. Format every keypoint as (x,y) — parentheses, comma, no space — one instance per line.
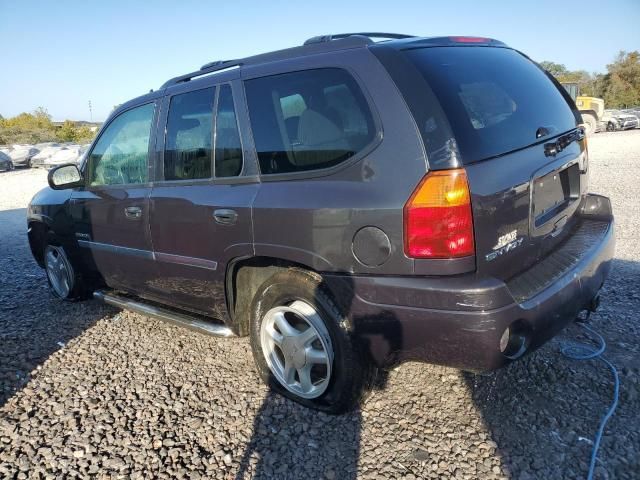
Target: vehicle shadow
(540,413)
(293,442)
(33,323)
(543,411)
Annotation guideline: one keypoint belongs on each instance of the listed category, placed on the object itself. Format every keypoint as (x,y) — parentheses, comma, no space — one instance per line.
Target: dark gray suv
(348,204)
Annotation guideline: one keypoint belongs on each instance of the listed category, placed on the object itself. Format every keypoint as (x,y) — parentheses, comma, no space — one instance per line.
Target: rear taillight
(437,218)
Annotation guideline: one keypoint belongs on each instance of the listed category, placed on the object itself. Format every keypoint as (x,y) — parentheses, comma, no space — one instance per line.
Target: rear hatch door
(516,134)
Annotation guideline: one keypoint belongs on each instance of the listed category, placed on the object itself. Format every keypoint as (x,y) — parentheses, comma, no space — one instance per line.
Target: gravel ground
(87,391)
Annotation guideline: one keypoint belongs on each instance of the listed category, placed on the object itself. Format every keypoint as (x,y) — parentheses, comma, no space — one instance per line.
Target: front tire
(301,343)
(64,282)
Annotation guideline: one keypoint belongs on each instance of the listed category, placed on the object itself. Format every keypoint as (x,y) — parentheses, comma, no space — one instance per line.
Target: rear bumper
(458,321)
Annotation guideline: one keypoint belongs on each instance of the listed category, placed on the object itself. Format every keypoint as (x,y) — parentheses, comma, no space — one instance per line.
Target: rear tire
(64,282)
(287,308)
(589,123)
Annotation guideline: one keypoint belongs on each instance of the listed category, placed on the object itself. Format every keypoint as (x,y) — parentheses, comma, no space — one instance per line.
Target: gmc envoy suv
(347,204)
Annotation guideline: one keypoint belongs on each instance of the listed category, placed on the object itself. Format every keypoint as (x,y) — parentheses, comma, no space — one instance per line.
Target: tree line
(37,127)
(619,87)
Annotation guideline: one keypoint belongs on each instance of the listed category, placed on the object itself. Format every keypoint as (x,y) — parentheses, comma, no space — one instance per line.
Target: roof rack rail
(215,63)
(369,35)
(207,68)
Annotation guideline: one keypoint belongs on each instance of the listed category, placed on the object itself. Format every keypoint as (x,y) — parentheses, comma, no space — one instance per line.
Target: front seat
(320,141)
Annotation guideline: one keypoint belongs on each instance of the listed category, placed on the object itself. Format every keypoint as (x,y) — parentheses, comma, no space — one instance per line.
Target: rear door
(517,137)
(111,213)
(201,205)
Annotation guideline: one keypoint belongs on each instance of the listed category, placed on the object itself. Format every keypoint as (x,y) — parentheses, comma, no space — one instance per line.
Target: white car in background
(46,150)
(21,155)
(65,154)
(619,120)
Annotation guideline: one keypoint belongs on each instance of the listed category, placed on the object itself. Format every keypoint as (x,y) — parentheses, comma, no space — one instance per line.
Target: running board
(192,323)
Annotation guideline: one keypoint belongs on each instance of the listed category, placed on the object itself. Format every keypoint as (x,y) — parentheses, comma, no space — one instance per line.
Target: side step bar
(192,323)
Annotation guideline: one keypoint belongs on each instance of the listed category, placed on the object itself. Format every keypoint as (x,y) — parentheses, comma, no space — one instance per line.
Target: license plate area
(554,192)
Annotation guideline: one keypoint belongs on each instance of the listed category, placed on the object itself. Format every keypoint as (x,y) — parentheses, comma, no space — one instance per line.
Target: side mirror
(65,176)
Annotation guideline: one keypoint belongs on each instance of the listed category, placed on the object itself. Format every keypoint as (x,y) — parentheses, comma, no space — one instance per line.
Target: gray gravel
(89,391)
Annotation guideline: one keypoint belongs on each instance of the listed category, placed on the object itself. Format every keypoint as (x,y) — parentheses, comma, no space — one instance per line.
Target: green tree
(71,132)
(619,87)
(33,127)
(67,133)
(84,134)
(622,84)
(555,69)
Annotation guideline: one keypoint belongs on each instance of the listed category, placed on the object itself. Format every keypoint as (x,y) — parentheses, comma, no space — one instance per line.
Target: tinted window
(228,148)
(494,98)
(187,152)
(121,154)
(308,120)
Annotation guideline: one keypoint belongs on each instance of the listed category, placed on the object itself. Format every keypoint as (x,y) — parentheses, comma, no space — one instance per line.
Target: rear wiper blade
(553,148)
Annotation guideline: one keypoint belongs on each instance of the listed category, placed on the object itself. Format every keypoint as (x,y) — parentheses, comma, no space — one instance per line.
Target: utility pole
(90,113)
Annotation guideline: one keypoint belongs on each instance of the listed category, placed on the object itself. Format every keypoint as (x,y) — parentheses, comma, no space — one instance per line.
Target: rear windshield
(494,98)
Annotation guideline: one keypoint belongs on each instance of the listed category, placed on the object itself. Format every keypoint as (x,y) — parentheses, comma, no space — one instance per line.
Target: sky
(62,54)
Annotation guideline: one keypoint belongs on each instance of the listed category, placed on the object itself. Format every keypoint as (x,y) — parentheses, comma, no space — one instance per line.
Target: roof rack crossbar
(369,35)
(204,70)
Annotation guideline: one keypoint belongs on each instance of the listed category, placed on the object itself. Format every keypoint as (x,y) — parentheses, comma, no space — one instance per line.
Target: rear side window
(228,147)
(187,154)
(495,98)
(308,120)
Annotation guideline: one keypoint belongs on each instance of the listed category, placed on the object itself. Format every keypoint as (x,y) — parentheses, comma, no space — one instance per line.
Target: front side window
(121,155)
(187,154)
(308,120)
(228,152)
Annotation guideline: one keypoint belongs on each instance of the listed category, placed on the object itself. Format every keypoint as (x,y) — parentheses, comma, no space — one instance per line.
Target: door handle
(133,213)
(225,216)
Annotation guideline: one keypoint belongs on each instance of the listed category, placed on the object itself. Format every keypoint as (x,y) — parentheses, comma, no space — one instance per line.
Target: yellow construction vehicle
(591,108)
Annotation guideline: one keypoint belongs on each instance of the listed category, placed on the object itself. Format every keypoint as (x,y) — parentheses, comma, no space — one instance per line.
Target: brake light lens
(469,39)
(438,222)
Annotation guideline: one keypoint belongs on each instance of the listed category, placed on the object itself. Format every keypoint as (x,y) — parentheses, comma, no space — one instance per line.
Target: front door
(111,212)
(201,207)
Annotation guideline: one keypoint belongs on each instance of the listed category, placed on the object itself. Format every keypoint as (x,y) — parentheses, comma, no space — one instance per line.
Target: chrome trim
(147,254)
(188,261)
(192,323)
(105,247)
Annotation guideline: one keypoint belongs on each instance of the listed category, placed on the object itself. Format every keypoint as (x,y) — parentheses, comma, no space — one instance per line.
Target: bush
(37,127)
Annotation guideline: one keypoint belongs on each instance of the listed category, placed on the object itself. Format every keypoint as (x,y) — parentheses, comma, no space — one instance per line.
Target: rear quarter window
(494,98)
(308,120)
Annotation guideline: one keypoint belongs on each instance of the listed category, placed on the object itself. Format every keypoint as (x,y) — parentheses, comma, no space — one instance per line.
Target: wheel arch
(38,233)
(243,277)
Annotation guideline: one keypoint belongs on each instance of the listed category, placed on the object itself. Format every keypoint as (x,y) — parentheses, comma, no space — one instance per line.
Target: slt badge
(506,243)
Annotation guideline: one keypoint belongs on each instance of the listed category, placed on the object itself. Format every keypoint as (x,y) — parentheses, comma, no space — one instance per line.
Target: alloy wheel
(58,270)
(297,348)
